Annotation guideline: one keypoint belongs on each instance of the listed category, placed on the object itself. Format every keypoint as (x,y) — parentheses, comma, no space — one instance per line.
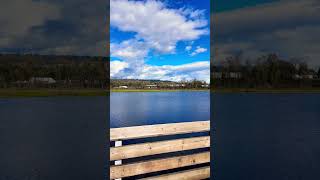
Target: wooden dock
(120,152)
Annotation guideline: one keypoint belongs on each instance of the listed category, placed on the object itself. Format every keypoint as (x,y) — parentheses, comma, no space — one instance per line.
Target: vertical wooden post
(118,162)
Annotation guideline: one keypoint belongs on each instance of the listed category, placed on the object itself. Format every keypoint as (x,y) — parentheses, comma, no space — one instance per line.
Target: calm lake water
(143,108)
(266,136)
(255,136)
(53,138)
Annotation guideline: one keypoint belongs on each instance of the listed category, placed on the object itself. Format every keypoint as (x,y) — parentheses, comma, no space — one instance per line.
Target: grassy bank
(51,92)
(156,90)
(266,90)
(230,90)
(103,92)
(11,92)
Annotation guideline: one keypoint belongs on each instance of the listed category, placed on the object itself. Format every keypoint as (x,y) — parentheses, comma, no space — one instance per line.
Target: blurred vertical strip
(212,114)
(54,89)
(107,124)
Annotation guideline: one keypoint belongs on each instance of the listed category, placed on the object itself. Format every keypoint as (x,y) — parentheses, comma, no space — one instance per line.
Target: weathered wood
(118,144)
(118,162)
(193,174)
(158,165)
(146,149)
(158,130)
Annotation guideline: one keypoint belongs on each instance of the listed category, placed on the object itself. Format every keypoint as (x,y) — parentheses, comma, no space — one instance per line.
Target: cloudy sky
(289,28)
(166,40)
(67,27)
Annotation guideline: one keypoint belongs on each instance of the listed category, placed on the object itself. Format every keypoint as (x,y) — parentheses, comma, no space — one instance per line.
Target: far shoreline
(47,92)
(156,90)
(266,90)
(51,92)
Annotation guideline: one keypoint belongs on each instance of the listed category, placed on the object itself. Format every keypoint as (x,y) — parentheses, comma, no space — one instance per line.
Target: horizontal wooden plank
(158,165)
(135,132)
(146,149)
(192,174)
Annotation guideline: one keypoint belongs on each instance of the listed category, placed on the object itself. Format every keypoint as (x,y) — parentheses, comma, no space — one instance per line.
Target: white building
(151,86)
(44,80)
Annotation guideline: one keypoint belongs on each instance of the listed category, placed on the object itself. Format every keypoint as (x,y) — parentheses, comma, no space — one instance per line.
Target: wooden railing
(119,152)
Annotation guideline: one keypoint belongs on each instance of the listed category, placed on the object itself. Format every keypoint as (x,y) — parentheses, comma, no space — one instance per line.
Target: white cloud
(197,13)
(116,67)
(198,50)
(160,27)
(158,30)
(129,49)
(197,70)
(188,48)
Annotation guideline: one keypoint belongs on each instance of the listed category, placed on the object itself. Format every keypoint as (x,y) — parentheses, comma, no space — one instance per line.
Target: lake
(144,108)
(148,108)
(53,138)
(257,136)
(266,136)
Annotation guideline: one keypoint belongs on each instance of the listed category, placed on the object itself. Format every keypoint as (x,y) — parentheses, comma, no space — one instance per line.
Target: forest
(268,71)
(50,71)
(157,84)
(82,72)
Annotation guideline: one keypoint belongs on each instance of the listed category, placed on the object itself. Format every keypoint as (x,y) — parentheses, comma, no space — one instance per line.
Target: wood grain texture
(146,149)
(136,132)
(193,174)
(158,165)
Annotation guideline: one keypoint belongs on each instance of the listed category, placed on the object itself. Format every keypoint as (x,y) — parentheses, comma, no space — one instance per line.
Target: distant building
(305,76)
(151,86)
(217,75)
(297,76)
(123,87)
(177,85)
(227,75)
(205,85)
(21,82)
(42,80)
(235,75)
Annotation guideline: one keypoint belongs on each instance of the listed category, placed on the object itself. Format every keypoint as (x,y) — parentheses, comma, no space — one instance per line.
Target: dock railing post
(124,151)
(118,162)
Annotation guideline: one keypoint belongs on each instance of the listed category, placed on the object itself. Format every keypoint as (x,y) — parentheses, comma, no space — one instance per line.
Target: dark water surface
(143,108)
(257,136)
(53,138)
(266,136)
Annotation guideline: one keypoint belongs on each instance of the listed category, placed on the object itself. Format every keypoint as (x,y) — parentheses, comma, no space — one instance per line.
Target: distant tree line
(32,71)
(267,71)
(157,84)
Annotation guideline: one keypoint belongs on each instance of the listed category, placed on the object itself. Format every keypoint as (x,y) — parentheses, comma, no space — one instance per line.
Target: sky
(251,28)
(57,27)
(163,40)
(289,28)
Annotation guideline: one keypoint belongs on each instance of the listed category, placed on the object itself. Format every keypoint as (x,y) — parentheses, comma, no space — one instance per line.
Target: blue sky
(289,28)
(166,40)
